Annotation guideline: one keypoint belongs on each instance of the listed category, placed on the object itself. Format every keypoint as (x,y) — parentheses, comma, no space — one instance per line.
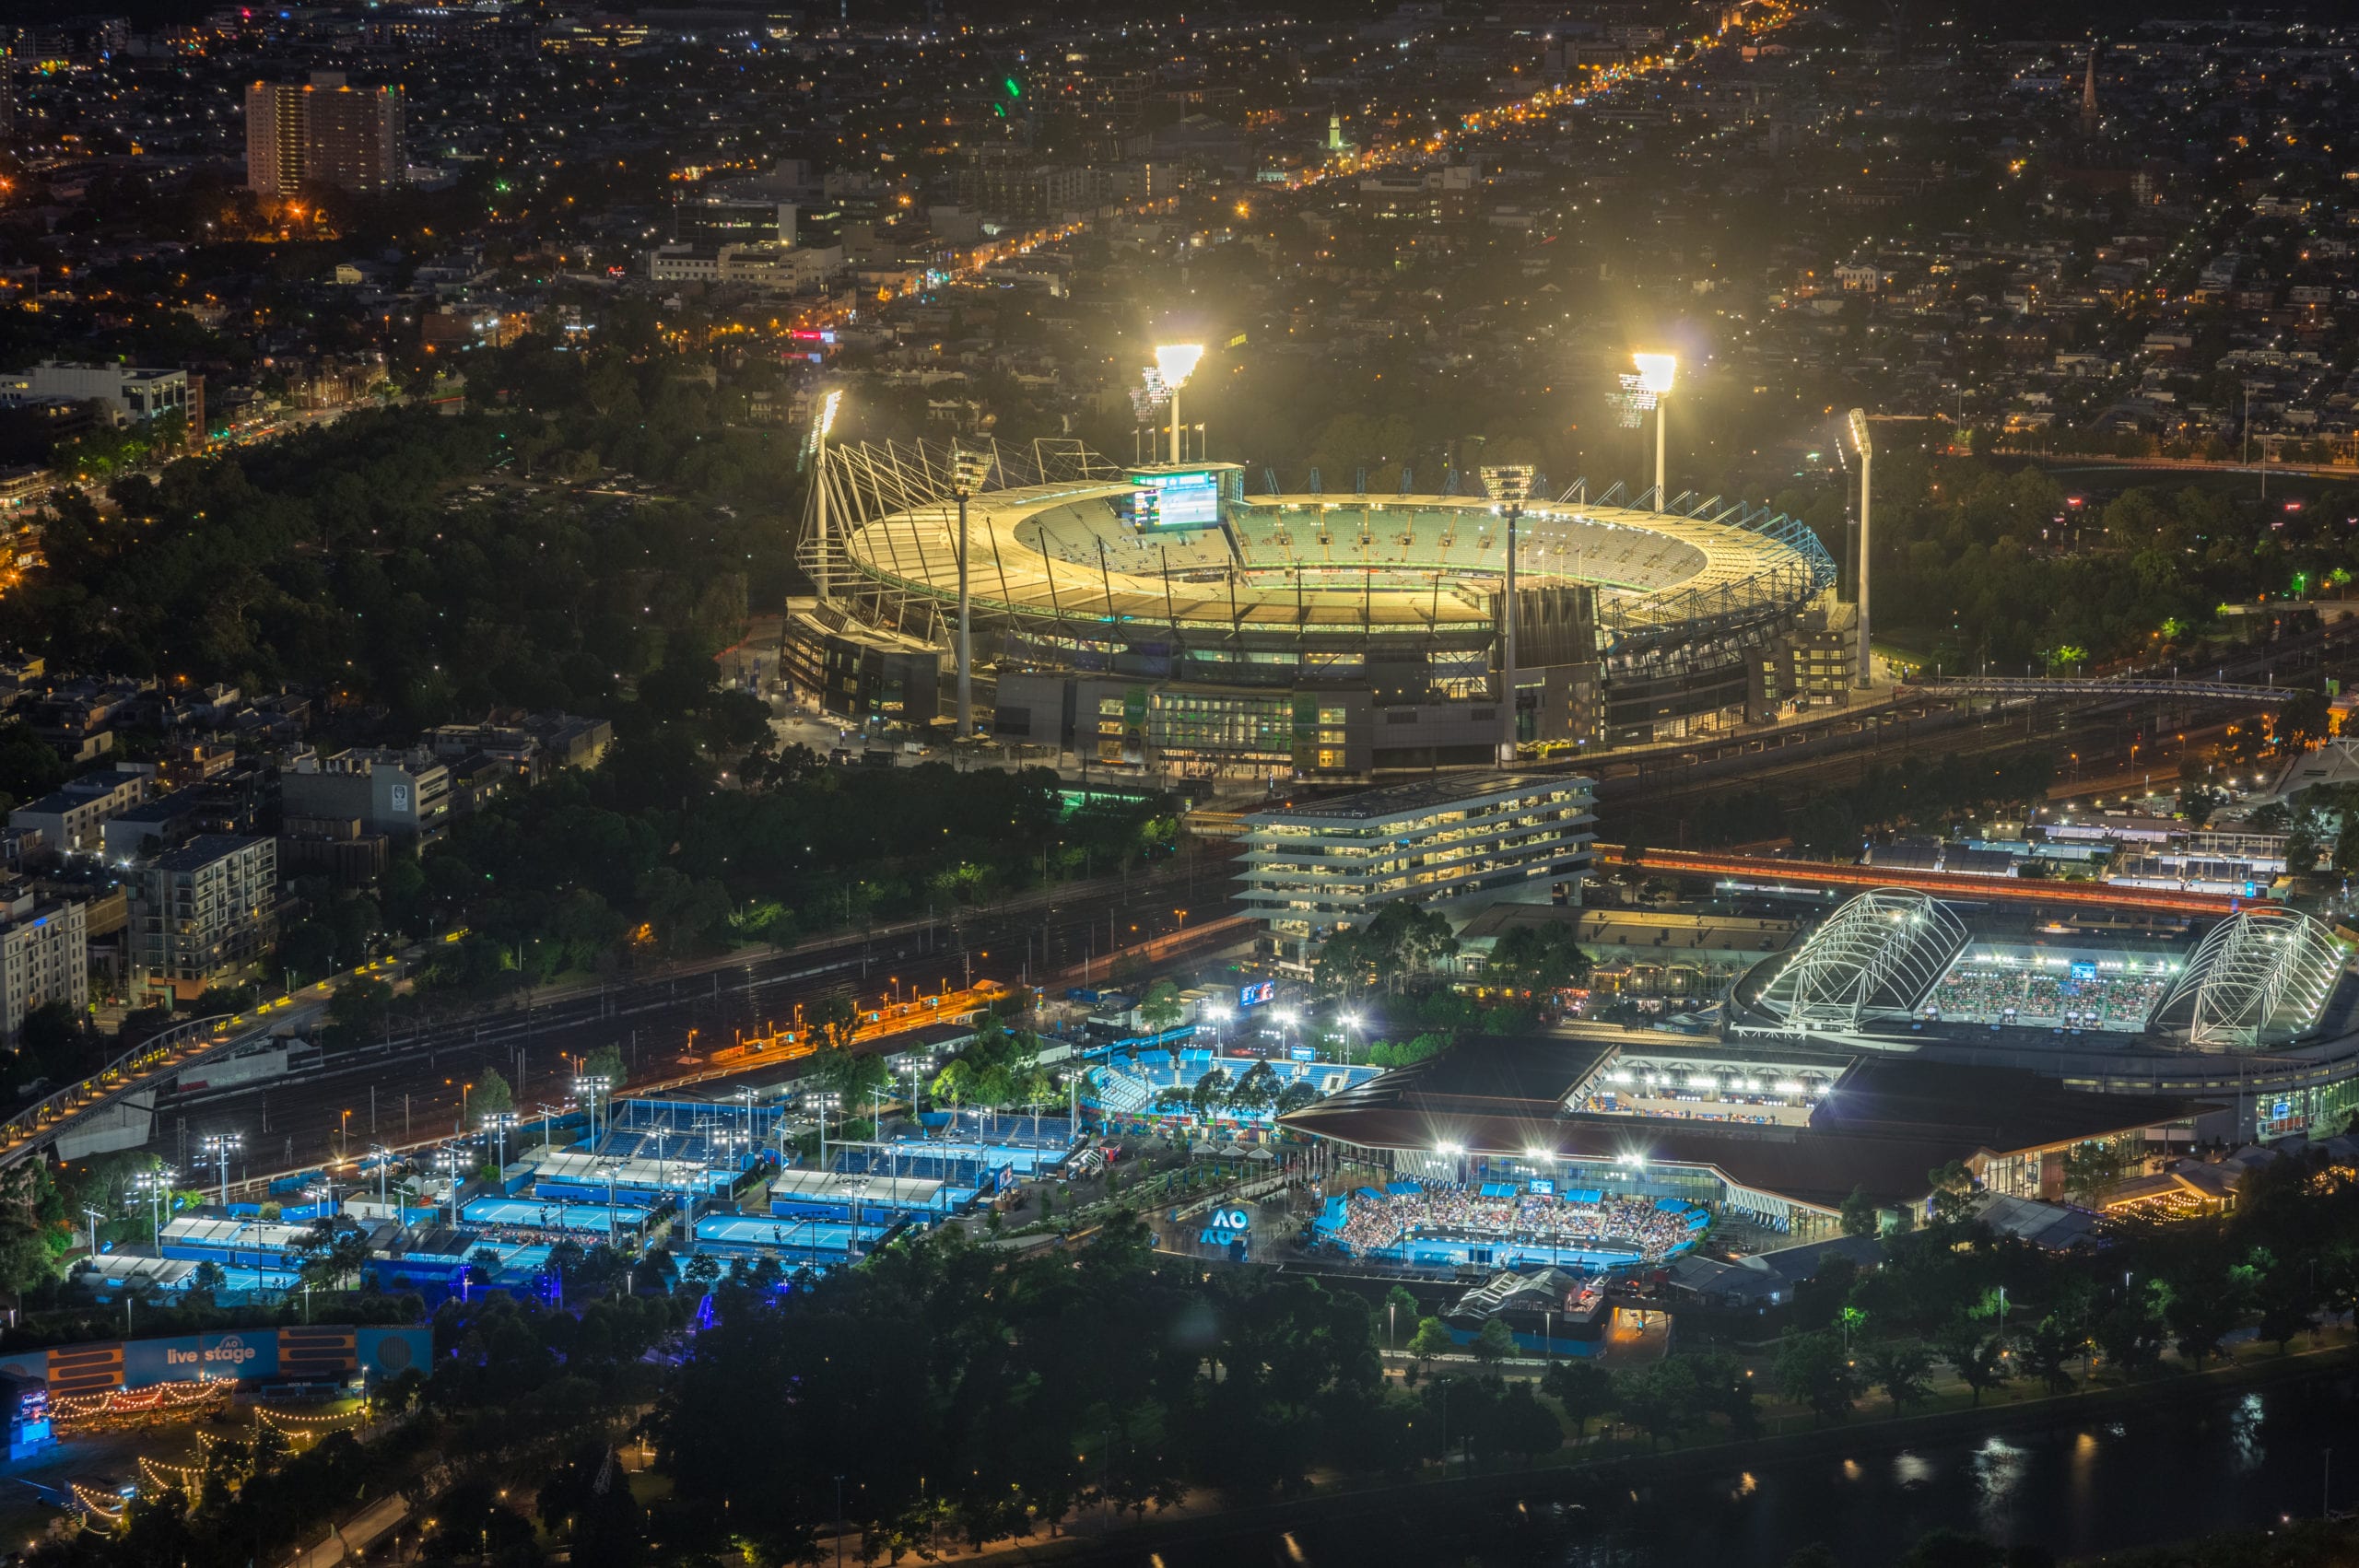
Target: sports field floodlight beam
(1175,362)
(1656,374)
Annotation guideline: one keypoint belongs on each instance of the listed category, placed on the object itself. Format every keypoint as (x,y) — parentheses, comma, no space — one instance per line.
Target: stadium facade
(1158,614)
(2255,1014)
(1778,1137)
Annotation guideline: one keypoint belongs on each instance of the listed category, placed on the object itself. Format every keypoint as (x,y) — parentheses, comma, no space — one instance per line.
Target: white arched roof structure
(1880,952)
(2264,973)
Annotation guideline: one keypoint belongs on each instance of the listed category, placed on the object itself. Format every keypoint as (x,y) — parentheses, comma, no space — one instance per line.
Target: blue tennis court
(549,1214)
(761,1233)
(1026,1161)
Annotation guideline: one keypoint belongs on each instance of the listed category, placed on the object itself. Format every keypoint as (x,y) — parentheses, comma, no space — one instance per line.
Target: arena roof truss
(1882,951)
(2263,973)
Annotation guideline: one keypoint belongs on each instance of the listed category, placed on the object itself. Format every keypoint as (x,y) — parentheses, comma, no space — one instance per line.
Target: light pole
(1866,448)
(451,1160)
(968,472)
(1656,373)
(156,1186)
(497,1124)
(610,1167)
(589,1088)
(1510,485)
(216,1148)
(819,428)
(1175,362)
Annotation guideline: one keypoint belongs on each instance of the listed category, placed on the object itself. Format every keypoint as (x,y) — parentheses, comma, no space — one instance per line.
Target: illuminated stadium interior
(2254,1010)
(1079,569)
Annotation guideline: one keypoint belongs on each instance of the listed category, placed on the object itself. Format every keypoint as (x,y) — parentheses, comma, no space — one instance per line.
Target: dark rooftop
(1889,1121)
(200,851)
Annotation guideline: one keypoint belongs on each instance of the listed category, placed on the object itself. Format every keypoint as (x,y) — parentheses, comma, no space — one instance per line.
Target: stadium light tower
(499,1123)
(1656,373)
(1175,362)
(216,1148)
(819,428)
(156,1187)
(968,471)
(1866,449)
(1510,485)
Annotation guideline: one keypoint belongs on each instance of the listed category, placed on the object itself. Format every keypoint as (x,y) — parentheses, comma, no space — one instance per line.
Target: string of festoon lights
(190,1479)
(138,1401)
(94,1503)
(308,1425)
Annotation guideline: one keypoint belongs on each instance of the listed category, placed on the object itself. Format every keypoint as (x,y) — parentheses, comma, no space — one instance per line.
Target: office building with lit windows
(1324,866)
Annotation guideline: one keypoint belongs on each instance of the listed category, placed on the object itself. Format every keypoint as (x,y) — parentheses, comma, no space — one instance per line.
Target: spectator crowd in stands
(1453,1212)
(1994,994)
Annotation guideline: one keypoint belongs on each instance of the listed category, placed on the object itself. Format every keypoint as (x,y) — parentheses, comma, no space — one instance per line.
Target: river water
(2160,1474)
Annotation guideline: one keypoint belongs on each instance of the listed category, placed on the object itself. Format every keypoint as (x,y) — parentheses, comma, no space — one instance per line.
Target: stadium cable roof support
(2262,971)
(1883,950)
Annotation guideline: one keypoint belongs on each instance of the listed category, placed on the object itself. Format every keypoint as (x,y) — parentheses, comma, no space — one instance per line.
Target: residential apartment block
(200,913)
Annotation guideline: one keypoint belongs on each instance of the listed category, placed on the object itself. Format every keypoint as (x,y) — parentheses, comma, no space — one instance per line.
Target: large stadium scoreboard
(1171,497)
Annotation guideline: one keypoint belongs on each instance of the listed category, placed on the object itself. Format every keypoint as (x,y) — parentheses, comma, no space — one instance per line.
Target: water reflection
(2080,1489)
(1999,1467)
(2244,1431)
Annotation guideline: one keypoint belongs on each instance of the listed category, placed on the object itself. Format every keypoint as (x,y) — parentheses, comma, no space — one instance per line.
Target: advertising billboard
(314,1352)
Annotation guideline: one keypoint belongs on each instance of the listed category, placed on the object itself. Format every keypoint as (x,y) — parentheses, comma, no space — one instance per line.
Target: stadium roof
(1880,952)
(2264,974)
(1888,1121)
(1052,542)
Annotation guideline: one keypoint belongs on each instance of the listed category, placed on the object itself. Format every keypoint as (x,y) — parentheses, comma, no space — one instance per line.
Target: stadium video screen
(1180,500)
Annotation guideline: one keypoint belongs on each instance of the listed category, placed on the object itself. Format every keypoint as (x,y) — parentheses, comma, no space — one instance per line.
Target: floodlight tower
(499,1123)
(1656,373)
(216,1148)
(156,1187)
(1510,485)
(590,1087)
(968,471)
(1861,443)
(1175,362)
(819,428)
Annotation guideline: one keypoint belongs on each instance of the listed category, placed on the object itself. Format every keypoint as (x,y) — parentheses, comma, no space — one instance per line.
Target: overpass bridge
(2104,685)
(145,1066)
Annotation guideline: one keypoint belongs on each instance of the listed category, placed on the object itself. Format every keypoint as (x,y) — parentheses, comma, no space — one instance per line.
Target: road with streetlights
(415,1085)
